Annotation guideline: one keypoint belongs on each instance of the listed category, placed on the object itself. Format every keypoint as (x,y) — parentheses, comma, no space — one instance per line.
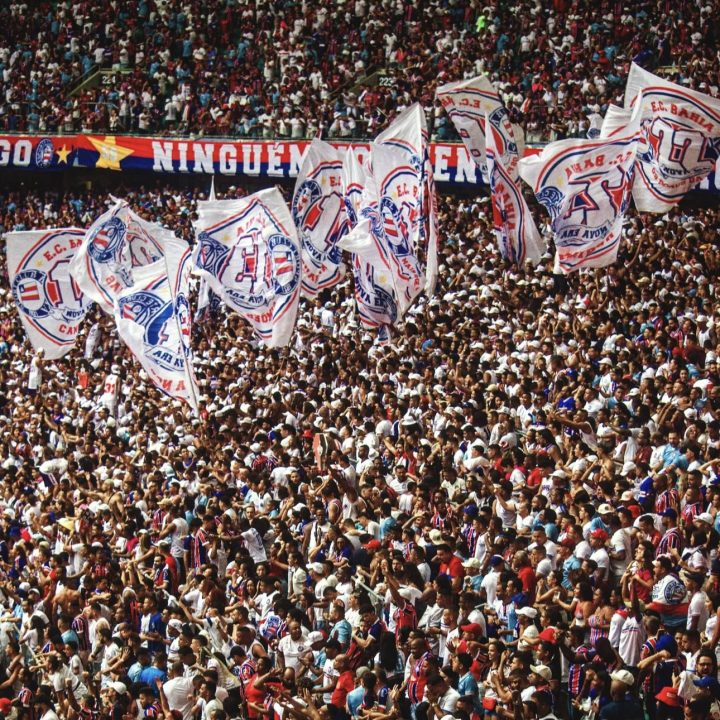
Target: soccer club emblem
(504,142)
(28,289)
(44,153)
(552,198)
(162,342)
(212,254)
(284,261)
(107,240)
(307,205)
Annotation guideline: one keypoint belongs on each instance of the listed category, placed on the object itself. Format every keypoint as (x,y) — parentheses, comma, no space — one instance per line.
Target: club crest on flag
(318,213)
(249,254)
(675,148)
(50,302)
(307,209)
(307,204)
(147,309)
(212,254)
(28,289)
(106,240)
(284,264)
(375,299)
(585,185)
(503,139)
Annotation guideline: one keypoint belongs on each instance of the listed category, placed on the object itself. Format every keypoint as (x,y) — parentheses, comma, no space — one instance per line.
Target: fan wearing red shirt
(525,572)
(345,684)
(450,565)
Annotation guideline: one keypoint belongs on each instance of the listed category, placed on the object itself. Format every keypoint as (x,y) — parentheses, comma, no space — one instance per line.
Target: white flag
(679,138)
(467,102)
(153,319)
(50,303)
(318,211)
(375,291)
(401,168)
(117,243)
(518,238)
(249,252)
(585,186)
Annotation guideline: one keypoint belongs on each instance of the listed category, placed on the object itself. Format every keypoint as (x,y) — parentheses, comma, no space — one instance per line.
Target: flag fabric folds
(518,237)
(318,211)
(401,168)
(50,303)
(375,291)
(585,186)
(679,138)
(467,102)
(249,252)
(116,244)
(153,319)
(397,188)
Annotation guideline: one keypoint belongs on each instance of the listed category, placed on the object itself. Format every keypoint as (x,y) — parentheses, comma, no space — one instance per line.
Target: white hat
(605,508)
(435,536)
(472,563)
(315,636)
(623,676)
(527,612)
(317,567)
(118,687)
(543,671)
(705,517)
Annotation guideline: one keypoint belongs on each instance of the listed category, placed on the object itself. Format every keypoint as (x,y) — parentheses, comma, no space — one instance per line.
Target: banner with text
(280,159)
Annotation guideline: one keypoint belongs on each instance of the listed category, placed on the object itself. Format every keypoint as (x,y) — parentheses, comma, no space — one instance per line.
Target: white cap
(623,676)
(543,671)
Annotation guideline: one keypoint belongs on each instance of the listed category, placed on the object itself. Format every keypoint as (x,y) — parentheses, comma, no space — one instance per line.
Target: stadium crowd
(286,69)
(510,510)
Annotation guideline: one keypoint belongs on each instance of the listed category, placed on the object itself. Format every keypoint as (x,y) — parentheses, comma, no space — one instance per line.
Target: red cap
(5,706)
(549,635)
(472,628)
(372,545)
(568,543)
(669,696)
(599,534)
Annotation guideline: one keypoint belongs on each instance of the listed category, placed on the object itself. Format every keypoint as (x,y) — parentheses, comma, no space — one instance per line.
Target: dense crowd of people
(509,510)
(288,69)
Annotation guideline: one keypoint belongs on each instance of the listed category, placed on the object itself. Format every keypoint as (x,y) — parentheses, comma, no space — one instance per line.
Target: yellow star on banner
(111,154)
(62,154)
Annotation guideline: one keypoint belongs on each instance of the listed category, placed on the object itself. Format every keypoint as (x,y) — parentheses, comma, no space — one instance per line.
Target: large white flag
(585,186)
(375,290)
(318,211)
(153,319)
(117,243)
(518,237)
(467,102)
(249,252)
(397,186)
(679,138)
(50,303)
(400,165)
